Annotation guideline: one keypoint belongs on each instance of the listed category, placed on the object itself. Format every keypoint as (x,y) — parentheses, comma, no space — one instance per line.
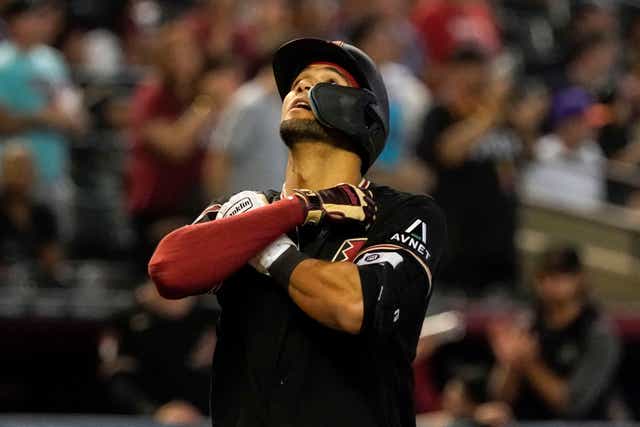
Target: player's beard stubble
(297,130)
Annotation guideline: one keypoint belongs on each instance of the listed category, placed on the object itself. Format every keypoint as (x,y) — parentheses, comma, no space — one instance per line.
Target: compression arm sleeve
(193,259)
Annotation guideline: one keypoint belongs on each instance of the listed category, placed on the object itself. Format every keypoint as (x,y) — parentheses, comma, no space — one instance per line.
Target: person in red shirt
(444,25)
(171,112)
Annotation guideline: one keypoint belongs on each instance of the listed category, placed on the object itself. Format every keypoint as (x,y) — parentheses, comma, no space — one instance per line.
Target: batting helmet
(362,113)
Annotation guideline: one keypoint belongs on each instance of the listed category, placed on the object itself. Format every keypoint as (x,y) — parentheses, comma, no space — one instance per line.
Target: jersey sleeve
(396,271)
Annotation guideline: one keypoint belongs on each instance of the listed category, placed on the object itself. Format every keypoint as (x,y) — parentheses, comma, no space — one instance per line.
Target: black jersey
(275,366)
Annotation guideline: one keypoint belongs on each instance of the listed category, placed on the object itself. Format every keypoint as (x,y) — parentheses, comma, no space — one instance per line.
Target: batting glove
(241,203)
(344,203)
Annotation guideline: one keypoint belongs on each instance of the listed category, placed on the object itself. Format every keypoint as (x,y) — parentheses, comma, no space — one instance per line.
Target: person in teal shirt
(34,83)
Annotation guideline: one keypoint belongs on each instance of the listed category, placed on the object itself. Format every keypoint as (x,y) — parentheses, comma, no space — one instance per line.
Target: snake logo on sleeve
(349,249)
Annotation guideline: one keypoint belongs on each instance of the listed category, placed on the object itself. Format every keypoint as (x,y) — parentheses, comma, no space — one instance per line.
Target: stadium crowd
(121,119)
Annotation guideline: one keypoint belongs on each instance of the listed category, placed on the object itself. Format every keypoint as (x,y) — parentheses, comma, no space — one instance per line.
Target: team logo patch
(414,238)
(349,249)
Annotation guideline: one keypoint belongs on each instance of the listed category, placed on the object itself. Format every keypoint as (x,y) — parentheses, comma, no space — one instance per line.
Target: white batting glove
(241,203)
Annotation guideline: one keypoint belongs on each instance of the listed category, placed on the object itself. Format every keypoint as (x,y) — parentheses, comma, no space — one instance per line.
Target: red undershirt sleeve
(195,258)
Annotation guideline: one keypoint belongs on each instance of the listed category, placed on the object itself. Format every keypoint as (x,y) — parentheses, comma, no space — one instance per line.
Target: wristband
(283,267)
(262,262)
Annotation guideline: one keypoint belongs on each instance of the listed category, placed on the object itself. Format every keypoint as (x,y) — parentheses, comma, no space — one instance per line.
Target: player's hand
(241,203)
(343,203)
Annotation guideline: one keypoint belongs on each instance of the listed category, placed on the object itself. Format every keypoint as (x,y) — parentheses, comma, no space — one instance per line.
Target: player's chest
(331,243)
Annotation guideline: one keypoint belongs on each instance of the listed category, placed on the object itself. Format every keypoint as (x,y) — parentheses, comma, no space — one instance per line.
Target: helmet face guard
(353,111)
(341,107)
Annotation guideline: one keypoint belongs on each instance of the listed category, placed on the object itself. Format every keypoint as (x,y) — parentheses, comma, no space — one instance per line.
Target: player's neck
(317,165)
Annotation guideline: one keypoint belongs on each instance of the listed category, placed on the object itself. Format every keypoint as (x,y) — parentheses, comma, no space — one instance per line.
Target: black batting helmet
(361,113)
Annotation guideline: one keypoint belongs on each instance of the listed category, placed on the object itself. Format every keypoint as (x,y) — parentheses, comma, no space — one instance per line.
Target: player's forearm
(551,388)
(195,258)
(329,293)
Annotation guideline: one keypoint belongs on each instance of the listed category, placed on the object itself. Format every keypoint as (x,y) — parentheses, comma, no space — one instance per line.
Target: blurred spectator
(473,146)
(95,55)
(143,24)
(465,403)
(568,165)
(632,45)
(590,64)
(527,109)
(216,24)
(28,230)
(34,81)
(620,135)
(397,14)
(465,400)
(261,25)
(563,365)
(249,150)
(617,139)
(593,17)
(172,113)
(315,18)
(445,25)
(157,356)
(409,100)
(532,30)
(93,14)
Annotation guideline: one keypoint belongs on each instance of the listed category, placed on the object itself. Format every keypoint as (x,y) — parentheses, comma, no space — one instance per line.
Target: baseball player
(324,285)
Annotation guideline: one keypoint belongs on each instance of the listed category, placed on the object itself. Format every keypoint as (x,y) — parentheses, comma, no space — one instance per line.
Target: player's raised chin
(296,104)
